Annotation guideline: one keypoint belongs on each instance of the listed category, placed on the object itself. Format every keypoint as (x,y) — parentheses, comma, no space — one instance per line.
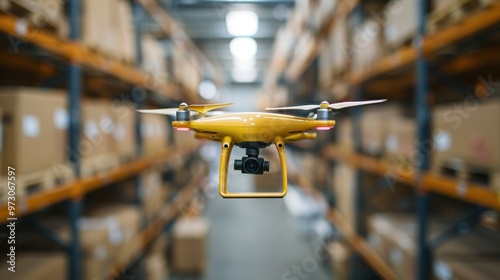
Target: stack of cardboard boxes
(393,236)
(34,118)
(107,26)
(466,137)
(154,132)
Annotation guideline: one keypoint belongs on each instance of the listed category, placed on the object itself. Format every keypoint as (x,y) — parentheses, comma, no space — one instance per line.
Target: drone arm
(301,136)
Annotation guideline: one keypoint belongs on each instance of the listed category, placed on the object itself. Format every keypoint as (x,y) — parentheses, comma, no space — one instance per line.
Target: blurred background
(407,189)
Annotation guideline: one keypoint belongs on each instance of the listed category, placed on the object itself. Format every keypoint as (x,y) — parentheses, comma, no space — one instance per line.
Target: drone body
(252,131)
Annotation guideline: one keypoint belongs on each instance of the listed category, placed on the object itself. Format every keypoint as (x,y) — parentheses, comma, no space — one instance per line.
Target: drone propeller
(199,108)
(325,105)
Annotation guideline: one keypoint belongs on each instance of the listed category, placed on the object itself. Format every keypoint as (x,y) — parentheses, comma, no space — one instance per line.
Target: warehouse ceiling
(205,22)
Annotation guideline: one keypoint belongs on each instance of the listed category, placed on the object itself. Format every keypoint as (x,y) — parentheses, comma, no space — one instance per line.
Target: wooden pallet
(465,172)
(454,13)
(97,164)
(43,15)
(33,182)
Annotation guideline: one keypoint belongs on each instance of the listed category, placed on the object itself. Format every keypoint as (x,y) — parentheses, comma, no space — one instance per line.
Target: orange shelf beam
(468,192)
(78,188)
(464,191)
(405,56)
(77,53)
(361,246)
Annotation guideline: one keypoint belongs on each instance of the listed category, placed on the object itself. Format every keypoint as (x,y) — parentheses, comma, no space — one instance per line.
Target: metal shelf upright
(74,109)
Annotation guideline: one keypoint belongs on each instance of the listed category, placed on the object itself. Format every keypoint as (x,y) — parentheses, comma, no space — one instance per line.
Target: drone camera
(252,164)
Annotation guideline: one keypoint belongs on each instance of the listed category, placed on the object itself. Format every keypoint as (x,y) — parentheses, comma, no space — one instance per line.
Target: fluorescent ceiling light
(242,23)
(244,62)
(207,89)
(244,75)
(243,47)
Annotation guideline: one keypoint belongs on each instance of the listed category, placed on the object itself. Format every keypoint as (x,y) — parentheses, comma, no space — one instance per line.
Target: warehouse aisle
(255,239)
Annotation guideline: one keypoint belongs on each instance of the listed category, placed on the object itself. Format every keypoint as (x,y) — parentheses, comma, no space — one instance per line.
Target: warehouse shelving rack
(411,65)
(77,57)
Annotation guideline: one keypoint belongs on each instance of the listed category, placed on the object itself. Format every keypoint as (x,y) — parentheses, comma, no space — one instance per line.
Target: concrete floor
(254,239)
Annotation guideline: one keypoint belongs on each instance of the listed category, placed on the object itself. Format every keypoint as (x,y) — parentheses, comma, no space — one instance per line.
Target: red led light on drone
(323,128)
(182,128)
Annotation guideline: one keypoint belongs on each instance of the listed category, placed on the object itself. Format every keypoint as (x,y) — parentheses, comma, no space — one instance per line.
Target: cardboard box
(340,48)
(466,137)
(344,135)
(400,22)
(37,266)
(155,134)
(35,122)
(156,267)
(400,140)
(470,268)
(114,228)
(190,246)
(107,26)
(340,256)
(97,128)
(374,123)
(473,255)
(154,60)
(124,115)
(153,193)
(343,188)
(367,45)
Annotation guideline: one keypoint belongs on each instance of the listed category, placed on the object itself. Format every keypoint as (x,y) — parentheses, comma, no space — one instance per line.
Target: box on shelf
(400,22)
(340,256)
(465,268)
(374,127)
(474,254)
(47,15)
(35,122)
(367,46)
(190,246)
(123,223)
(325,75)
(154,61)
(450,12)
(37,266)
(154,133)
(466,138)
(339,45)
(96,147)
(124,130)
(400,140)
(344,135)
(154,193)
(108,28)
(156,267)
(343,189)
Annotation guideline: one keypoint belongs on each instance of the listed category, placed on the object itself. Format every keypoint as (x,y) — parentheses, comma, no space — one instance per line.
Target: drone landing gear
(251,164)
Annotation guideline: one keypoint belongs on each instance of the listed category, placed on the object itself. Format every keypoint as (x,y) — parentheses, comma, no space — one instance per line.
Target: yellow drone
(252,131)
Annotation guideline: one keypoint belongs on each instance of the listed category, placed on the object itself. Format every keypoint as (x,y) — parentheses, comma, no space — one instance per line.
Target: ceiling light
(243,47)
(207,89)
(242,23)
(244,62)
(244,75)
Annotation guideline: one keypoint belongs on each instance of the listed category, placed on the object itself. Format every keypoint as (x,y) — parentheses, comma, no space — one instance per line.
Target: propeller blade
(300,107)
(203,108)
(342,105)
(165,111)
